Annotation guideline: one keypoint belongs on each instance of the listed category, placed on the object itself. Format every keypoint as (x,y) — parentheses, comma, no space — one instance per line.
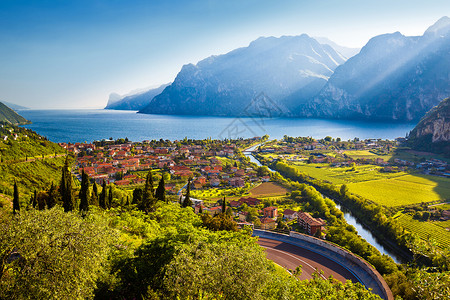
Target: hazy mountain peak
(441,27)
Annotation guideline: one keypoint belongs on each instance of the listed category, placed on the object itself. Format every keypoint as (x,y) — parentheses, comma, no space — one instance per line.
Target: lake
(89,125)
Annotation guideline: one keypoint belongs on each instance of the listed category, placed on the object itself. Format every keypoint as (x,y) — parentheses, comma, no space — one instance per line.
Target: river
(360,228)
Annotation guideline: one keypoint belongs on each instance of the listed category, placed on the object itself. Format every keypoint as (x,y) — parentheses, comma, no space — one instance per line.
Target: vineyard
(427,230)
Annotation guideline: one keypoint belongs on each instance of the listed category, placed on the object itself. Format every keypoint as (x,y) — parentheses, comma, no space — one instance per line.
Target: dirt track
(290,256)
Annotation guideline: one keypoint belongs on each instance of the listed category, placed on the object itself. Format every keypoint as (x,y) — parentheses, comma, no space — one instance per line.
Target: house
(249,201)
(243,216)
(270,212)
(215,210)
(268,224)
(237,182)
(234,204)
(311,225)
(265,178)
(290,215)
(214,182)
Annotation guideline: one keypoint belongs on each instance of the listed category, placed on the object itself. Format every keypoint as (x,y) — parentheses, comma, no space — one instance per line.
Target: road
(290,256)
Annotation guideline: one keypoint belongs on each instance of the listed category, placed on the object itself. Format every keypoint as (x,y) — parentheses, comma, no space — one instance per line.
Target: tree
(102,198)
(224,205)
(34,203)
(65,187)
(52,255)
(94,196)
(51,200)
(187,198)
(160,193)
(110,196)
(84,193)
(16,204)
(148,195)
(344,190)
(137,196)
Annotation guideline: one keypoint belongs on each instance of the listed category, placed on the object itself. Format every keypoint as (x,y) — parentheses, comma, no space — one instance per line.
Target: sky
(68,54)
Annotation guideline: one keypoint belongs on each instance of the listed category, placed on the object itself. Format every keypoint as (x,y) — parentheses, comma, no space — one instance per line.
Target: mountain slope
(10,116)
(432,133)
(227,84)
(394,77)
(135,101)
(346,51)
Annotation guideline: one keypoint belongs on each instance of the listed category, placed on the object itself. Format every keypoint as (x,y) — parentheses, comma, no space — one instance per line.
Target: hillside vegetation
(10,116)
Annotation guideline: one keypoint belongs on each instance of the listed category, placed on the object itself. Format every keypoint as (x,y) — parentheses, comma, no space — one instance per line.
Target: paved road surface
(290,256)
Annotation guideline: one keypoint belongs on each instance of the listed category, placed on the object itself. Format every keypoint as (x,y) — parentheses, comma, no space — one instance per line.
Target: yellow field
(403,190)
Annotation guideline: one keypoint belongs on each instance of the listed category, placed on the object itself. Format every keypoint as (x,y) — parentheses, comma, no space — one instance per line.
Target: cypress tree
(34,203)
(16,204)
(94,197)
(51,202)
(161,190)
(102,198)
(187,199)
(224,205)
(84,193)
(137,196)
(148,197)
(66,187)
(110,196)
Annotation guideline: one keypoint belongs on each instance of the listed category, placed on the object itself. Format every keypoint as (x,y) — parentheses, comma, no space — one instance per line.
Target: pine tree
(110,196)
(94,196)
(187,199)
(16,204)
(66,187)
(161,190)
(84,193)
(102,198)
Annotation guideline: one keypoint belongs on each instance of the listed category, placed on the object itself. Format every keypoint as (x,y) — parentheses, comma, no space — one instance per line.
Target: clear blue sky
(73,54)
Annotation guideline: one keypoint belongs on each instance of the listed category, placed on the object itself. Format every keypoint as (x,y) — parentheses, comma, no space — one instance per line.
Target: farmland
(403,190)
(267,189)
(426,229)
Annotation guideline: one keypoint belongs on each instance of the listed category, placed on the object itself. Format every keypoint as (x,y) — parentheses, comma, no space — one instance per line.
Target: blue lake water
(89,125)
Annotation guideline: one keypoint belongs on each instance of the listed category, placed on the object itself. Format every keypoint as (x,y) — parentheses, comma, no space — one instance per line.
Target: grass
(427,229)
(403,190)
(355,154)
(214,194)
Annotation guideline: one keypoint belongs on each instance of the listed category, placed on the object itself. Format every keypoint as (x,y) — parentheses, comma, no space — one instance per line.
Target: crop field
(266,189)
(426,229)
(403,190)
(355,154)
(341,175)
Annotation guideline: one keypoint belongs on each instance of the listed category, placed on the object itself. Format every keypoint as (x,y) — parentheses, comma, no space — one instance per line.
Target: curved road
(290,256)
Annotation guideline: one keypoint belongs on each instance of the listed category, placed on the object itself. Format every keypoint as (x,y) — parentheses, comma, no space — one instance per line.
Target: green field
(341,175)
(403,190)
(425,229)
(355,154)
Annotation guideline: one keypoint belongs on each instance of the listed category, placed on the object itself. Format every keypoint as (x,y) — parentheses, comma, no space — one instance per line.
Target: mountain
(259,79)
(432,133)
(14,106)
(394,77)
(135,101)
(10,116)
(345,51)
